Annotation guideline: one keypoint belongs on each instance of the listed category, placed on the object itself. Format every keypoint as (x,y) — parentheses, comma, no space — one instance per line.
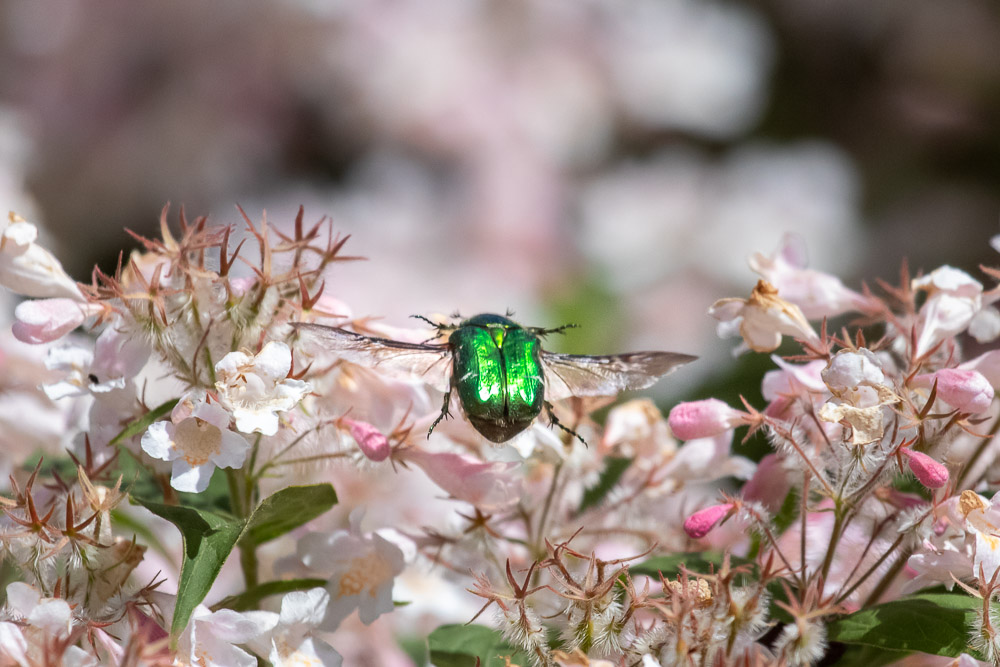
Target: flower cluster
(648,539)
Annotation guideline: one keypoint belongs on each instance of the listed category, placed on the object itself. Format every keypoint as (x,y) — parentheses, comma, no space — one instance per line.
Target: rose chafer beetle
(498,369)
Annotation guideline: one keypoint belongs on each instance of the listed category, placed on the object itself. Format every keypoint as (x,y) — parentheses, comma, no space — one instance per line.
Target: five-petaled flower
(256,388)
(196,445)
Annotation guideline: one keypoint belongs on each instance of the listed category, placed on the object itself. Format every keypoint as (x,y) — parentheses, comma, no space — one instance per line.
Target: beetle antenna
(540,331)
(441,329)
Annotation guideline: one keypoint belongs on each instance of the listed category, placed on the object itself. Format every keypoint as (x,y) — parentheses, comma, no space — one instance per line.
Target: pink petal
(928,472)
(486,484)
(370,440)
(702,419)
(46,320)
(963,389)
(700,523)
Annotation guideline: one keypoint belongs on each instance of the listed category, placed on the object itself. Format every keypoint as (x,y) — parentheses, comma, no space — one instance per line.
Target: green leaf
(614,468)
(251,598)
(288,509)
(935,623)
(142,423)
(858,655)
(208,540)
(460,645)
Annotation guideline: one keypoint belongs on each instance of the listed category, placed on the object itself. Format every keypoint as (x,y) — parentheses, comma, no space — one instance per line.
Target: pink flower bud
(965,390)
(703,419)
(700,523)
(46,320)
(928,472)
(370,440)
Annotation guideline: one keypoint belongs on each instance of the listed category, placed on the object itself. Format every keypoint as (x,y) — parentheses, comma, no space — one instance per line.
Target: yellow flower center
(199,440)
(364,573)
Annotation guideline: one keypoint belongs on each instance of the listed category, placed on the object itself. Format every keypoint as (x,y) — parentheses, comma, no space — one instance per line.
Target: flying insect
(503,377)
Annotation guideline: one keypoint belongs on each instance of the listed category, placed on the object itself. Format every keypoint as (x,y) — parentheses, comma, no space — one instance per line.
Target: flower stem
(240,495)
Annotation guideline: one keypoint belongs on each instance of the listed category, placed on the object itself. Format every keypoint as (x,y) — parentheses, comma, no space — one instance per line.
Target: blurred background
(606,162)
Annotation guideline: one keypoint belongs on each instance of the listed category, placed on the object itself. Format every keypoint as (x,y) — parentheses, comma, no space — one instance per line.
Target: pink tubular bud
(703,419)
(965,390)
(370,440)
(928,472)
(45,320)
(700,523)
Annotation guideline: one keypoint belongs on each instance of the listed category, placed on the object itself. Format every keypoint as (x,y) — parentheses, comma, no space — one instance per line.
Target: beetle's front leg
(554,421)
(445,412)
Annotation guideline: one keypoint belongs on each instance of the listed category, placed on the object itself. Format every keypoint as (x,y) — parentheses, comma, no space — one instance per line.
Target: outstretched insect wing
(405,361)
(605,375)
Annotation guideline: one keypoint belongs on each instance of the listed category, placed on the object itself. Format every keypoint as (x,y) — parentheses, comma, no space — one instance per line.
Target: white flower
(953,300)
(116,359)
(196,445)
(256,388)
(818,294)
(51,615)
(210,639)
(29,269)
(360,571)
(762,319)
(860,391)
(285,637)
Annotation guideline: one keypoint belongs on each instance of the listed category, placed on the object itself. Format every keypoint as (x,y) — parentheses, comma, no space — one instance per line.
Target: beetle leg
(445,412)
(539,331)
(554,421)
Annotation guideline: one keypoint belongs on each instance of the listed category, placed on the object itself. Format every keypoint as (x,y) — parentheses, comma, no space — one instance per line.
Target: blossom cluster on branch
(650,540)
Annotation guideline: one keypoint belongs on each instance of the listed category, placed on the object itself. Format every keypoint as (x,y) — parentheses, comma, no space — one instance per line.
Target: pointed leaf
(935,623)
(140,425)
(460,645)
(288,509)
(208,540)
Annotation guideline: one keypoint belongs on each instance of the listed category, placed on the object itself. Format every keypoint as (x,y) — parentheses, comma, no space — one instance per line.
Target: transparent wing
(582,375)
(405,361)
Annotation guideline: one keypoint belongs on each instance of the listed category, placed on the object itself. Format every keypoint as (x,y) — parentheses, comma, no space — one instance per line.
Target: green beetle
(503,377)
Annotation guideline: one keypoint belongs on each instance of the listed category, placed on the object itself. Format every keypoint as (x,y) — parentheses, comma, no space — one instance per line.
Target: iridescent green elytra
(503,377)
(498,375)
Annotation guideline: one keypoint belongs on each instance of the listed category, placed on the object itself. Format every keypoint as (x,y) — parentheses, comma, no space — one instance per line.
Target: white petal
(22,597)
(213,413)
(255,421)
(304,607)
(53,616)
(18,235)
(233,450)
(192,479)
(158,441)
(274,361)
(230,364)
(12,644)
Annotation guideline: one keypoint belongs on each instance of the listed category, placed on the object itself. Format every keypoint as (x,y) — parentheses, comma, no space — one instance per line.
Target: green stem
(838,526)
(240,497)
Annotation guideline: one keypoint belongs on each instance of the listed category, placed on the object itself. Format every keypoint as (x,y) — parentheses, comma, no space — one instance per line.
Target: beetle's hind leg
(554,421)
(541,331)
(445,412)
